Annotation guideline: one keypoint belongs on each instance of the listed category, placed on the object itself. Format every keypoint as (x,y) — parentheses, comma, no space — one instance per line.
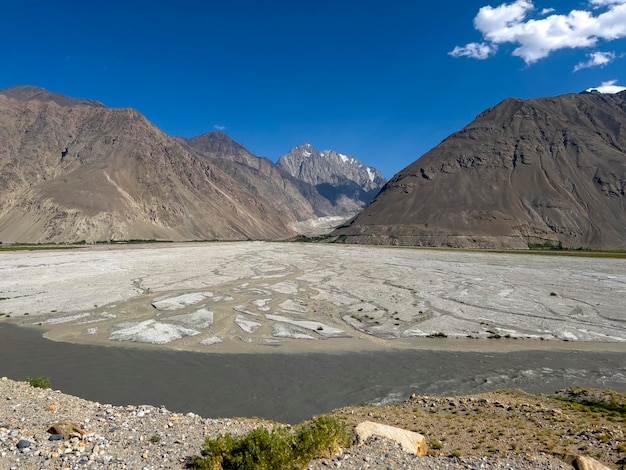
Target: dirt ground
(570,422)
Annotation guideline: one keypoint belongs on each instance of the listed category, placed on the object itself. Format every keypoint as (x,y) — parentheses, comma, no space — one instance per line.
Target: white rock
(56,321)
(211,340)
(319,328)
(261,304)
(246,325)
(410,441)
(201,318)
(285,331)
(587,463)
(174,302)
(150,331)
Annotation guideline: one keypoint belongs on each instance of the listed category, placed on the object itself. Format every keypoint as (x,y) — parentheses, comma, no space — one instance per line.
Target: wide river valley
(286,330)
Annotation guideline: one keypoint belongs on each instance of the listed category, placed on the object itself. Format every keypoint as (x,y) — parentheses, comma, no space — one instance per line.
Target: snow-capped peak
(341,181)
(609,87)
(306,149)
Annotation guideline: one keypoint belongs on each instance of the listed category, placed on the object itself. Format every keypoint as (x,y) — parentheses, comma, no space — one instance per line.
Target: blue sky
(382,81)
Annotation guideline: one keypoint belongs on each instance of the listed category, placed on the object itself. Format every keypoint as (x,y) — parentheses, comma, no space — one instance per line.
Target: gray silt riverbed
(291,387)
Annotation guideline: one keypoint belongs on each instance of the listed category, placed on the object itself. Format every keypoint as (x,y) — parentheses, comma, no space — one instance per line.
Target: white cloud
(219,127)
(547,11)
(606,2)
(596,59)
(609,87)
(474,50)
(538,38)
(499,24)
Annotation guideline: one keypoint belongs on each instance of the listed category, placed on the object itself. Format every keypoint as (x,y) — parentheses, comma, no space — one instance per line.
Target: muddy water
(291,387)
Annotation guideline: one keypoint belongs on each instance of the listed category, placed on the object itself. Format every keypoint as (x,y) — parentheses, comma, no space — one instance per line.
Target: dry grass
(511,422)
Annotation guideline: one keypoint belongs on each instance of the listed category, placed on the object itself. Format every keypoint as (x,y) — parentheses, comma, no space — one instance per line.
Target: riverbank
(258,297)
(503,430)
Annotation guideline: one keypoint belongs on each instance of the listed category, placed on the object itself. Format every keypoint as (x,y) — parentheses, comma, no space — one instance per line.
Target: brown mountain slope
(75,170)
(549,170)
(262,177)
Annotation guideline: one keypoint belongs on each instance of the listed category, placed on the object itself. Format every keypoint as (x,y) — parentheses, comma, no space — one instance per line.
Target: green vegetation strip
(278,449)
(596,400)
(542,252)
(37,247)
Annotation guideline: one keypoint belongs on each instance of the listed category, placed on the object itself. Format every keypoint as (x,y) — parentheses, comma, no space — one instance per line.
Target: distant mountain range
(72,169)
(548,172)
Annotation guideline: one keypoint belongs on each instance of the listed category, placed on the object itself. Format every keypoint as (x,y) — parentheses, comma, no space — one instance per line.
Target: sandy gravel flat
(289,297)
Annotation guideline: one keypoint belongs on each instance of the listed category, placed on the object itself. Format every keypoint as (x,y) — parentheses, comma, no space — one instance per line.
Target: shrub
(437,335)
(277,449)
(588,400)
(39,382)
(435,444)
(322,437)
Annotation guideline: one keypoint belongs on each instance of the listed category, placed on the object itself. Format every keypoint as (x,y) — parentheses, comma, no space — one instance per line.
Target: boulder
(587,463)
(67,430)
(410,441)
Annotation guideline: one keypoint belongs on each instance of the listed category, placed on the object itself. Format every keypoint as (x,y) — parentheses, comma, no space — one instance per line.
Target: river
(291,387)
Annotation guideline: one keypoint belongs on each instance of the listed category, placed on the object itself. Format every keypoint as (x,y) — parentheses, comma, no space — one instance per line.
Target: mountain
(344,181)
(540,172)
(294,199)
(33,93)
(73,169)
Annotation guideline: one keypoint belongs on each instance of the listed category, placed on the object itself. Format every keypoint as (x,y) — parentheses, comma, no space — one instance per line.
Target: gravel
(103,436)
(111,437)
(378,453)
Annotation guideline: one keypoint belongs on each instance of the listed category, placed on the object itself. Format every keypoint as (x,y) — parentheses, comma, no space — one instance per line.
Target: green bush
(437,335)
(321,438)
(435,444)
(277,449)
(39,382)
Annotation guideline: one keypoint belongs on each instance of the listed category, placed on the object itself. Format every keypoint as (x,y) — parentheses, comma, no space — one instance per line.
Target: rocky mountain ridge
(347,183)
(546,172)
(73,169)
(79,171)
(259,175)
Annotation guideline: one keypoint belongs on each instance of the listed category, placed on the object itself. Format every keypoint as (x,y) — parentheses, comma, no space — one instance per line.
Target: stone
(23,444)
(66,429)
(587,463)
(410,441)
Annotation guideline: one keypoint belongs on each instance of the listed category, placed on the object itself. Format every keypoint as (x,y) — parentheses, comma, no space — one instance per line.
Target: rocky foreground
(46,429)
